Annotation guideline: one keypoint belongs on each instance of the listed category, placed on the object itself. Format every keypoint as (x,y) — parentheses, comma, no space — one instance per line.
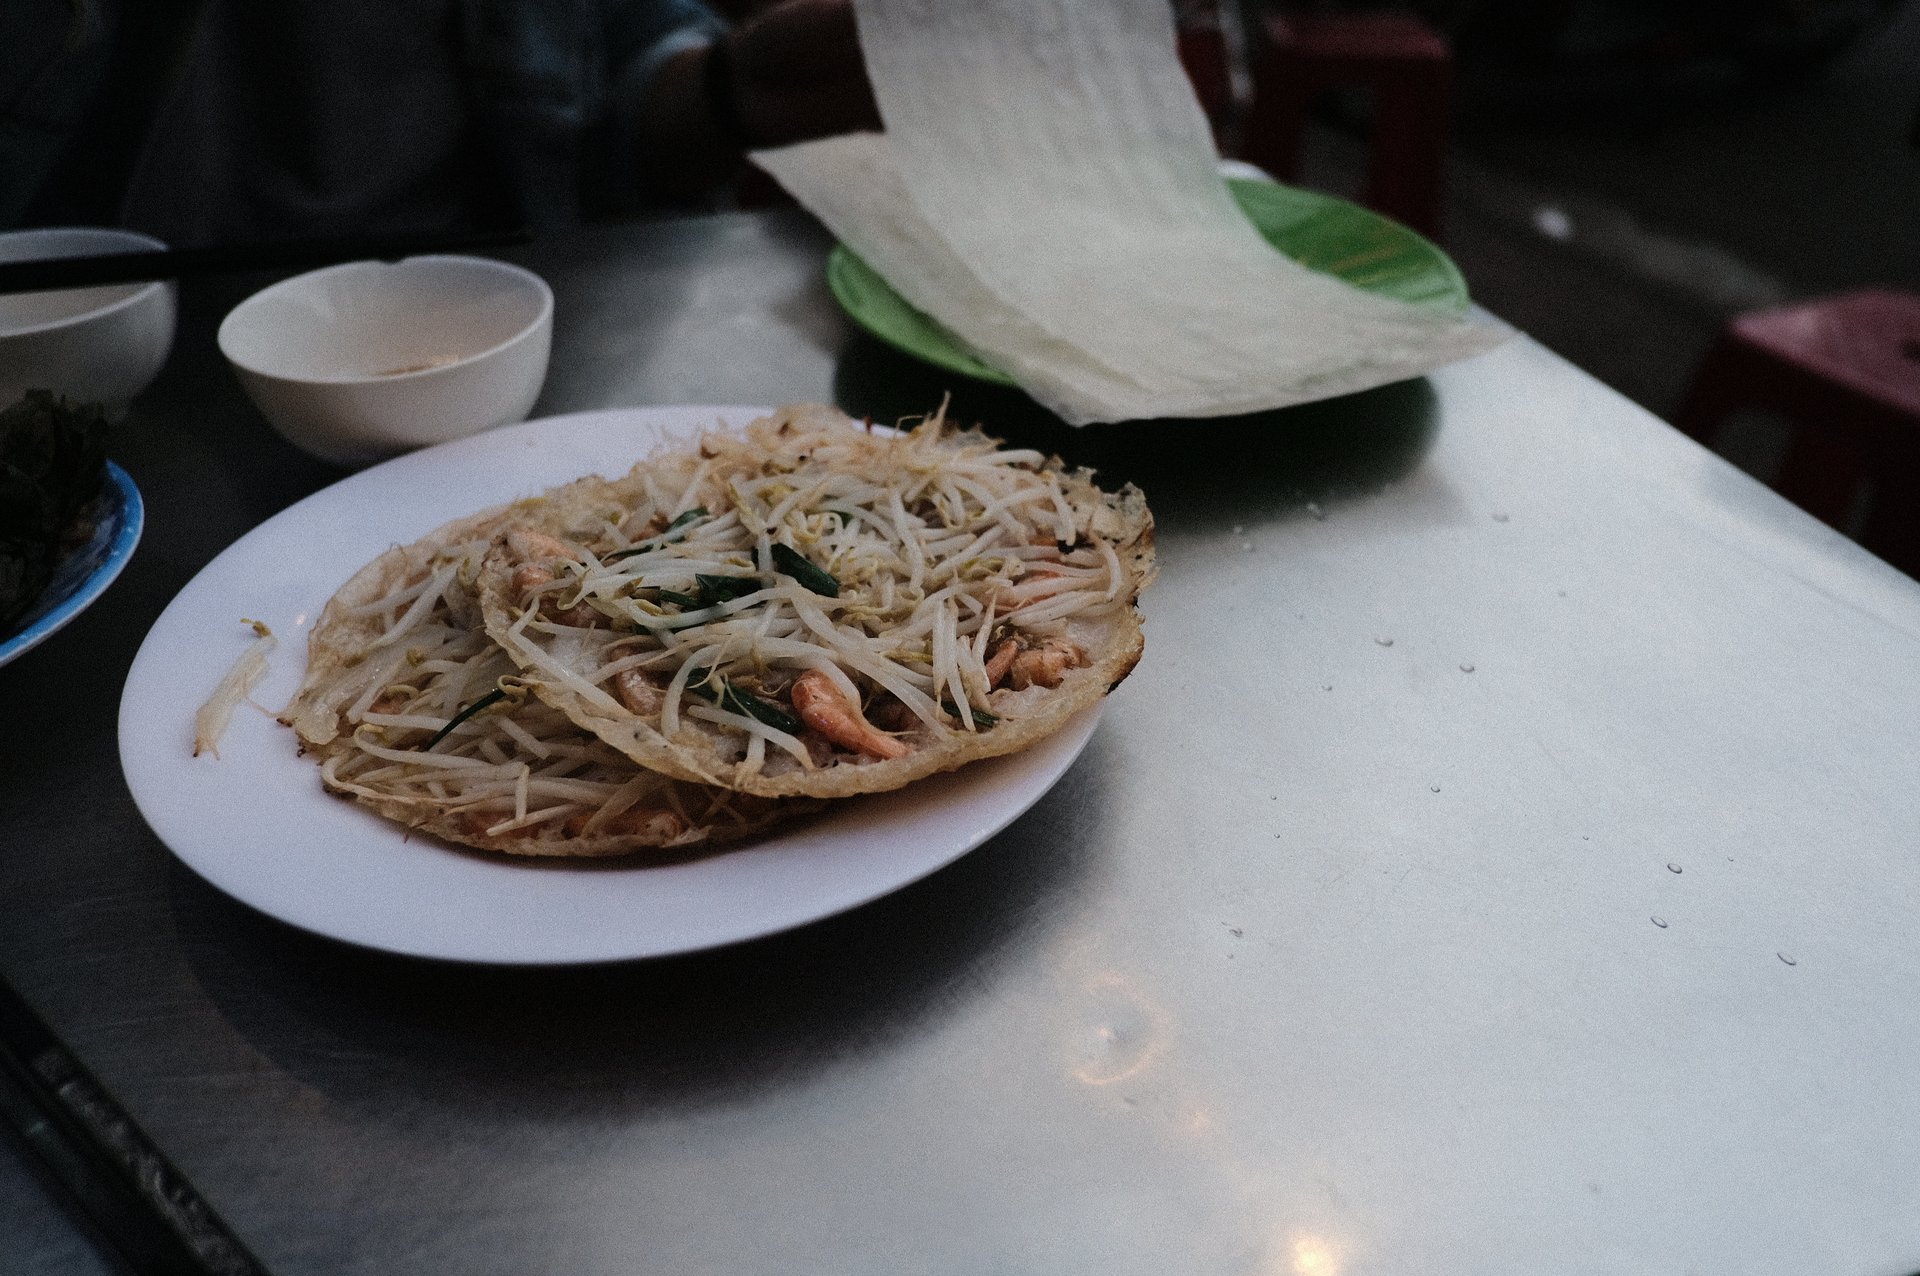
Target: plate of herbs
(69,518)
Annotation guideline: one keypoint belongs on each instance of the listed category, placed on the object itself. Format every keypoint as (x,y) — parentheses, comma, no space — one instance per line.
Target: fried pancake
(811,607)
(412,710)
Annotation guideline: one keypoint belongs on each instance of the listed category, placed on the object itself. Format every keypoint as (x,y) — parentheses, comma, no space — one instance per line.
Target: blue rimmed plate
(86,572)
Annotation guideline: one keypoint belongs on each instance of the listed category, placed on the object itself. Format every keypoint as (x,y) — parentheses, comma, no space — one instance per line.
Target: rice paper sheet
(852,184)
(1063,214)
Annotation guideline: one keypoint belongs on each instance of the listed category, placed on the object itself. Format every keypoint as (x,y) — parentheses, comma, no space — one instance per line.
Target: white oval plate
(256,823)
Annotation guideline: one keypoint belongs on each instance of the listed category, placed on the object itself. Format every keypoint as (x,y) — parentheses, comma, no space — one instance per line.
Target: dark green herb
(491,698)
(709,591)
(795,564)
(719,589)
(981,718)
(710,686)
(675,530)
(52,467)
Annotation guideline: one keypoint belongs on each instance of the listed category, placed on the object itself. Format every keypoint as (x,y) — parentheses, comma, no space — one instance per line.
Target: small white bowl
(95,345)
(356,362)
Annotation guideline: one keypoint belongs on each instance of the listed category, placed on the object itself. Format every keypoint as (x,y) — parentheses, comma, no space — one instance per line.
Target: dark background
(1628,175)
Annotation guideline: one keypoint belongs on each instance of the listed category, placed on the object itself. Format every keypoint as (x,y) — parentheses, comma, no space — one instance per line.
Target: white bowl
(356,362)
(96,345)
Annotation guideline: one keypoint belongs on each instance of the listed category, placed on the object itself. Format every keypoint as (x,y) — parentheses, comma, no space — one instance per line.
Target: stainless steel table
(1504,861)
(42,1237)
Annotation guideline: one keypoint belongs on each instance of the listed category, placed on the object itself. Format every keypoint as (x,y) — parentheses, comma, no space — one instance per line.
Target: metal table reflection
(1501,862)
(43,1237)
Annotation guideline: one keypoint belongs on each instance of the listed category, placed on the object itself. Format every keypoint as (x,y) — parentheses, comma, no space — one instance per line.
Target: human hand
(795,72)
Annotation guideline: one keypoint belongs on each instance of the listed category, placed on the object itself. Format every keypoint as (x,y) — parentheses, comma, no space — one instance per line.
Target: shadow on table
(1196,473)
(669,1033)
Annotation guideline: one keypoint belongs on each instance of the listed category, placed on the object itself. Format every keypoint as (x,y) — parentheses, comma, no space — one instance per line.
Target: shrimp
(532,576)
(528,545)
(528,577)
(638,692)
(1047,664)
(821,706)
(1001,660)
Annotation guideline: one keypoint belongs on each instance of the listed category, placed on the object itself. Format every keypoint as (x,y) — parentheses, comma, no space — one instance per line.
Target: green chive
(795,564)
(981,718)
(711,686)
(710,591)
(719,589)
(676,527)
(492,697)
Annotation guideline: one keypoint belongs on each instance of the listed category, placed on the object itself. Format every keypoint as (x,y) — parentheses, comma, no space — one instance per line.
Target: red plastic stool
(1410,70)
(1845,372)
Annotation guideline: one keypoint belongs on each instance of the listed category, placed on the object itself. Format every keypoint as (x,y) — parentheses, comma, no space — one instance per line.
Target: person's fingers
(798,73)
(799,42)
(778,116)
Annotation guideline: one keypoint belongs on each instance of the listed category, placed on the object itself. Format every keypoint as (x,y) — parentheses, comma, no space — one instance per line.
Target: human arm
(791,71)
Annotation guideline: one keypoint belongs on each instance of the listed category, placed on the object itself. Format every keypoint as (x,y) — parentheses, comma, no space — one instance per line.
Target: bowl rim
(134,298)
(541,318)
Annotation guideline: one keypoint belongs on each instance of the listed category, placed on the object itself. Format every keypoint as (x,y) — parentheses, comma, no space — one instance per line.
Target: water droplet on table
(1117,1043)
(1466,668)
(1384,642)
(1434,787)
(1783,957)
(1673,868)
(1661,923)
(1499,518)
